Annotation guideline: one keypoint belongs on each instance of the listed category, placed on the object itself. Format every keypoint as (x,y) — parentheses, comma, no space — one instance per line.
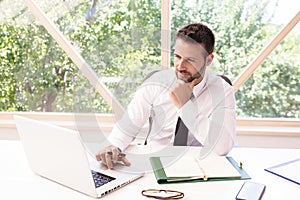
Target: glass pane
(274,89)
(242,30)
(119,39)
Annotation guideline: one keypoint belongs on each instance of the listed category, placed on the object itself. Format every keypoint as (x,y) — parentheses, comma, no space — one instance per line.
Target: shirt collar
(197,90)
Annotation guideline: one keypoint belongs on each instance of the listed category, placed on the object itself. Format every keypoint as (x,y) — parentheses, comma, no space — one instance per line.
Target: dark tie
(181,133)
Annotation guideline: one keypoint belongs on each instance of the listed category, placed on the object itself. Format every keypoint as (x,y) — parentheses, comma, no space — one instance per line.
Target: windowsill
(247,128)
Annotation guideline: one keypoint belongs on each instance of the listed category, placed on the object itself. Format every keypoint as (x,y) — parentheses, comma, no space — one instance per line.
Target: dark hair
(200,33)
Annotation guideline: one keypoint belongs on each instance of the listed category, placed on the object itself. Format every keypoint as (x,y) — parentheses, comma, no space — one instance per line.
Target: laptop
(58,154)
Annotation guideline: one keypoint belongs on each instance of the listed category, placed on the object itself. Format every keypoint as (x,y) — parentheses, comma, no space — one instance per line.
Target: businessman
(186,105)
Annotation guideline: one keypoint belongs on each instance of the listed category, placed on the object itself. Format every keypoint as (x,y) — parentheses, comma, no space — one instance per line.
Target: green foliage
(241,33)
(123,40)
(274,88)
(11,61)
(115,44)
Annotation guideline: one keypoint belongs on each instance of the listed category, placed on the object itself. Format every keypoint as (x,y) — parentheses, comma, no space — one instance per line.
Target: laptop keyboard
(101,179)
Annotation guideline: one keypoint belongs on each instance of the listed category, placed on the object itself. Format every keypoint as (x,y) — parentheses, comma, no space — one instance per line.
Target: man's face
(190,60)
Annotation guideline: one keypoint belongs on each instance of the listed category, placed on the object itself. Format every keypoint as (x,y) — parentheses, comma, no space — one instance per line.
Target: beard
(191,77)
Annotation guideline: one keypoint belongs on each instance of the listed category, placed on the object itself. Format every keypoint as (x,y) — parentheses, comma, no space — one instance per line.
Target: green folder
(162,178)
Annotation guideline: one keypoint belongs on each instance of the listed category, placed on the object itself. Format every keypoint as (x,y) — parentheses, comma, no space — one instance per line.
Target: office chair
(225,78)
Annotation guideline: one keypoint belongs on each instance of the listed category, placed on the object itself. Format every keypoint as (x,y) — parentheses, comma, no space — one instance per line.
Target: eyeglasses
(162,194)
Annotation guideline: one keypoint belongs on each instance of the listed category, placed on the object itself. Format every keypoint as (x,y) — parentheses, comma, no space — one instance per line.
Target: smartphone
(251,191)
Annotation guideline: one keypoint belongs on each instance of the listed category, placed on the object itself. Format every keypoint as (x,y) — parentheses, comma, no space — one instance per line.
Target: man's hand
(182,92)
(111,155)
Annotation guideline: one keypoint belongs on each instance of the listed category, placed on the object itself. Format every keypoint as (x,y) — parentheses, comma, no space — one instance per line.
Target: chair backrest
(225,78)
(150,74)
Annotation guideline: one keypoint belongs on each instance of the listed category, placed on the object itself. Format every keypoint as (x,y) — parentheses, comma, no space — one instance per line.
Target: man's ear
(209,59)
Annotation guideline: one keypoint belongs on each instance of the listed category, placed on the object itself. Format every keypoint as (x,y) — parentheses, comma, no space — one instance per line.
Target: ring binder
(162,177)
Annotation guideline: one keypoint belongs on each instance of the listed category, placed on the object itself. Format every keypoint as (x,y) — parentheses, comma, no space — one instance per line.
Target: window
(120,40)
(242,30)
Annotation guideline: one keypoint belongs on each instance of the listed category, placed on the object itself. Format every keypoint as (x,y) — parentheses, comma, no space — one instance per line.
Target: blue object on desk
(289,170)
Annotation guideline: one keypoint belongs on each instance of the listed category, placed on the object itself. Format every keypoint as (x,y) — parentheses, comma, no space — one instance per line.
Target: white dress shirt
(209,116)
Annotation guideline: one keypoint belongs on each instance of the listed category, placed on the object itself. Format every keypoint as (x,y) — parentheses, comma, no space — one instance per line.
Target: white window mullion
(265,52)
(165,33)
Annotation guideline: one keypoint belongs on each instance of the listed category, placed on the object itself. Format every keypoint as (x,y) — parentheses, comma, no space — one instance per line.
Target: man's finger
(98,157)
(180,82)
(125,161)
(108,158)
(115,155)
(195,82)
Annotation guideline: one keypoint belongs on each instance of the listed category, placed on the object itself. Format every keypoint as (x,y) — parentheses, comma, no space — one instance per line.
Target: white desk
(18,182)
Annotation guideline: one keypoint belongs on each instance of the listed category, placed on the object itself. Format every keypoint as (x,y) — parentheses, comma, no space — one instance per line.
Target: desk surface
(18,182)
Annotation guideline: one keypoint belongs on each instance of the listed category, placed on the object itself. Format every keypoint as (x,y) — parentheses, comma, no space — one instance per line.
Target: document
(168,169)
(288,170)
(212,166)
